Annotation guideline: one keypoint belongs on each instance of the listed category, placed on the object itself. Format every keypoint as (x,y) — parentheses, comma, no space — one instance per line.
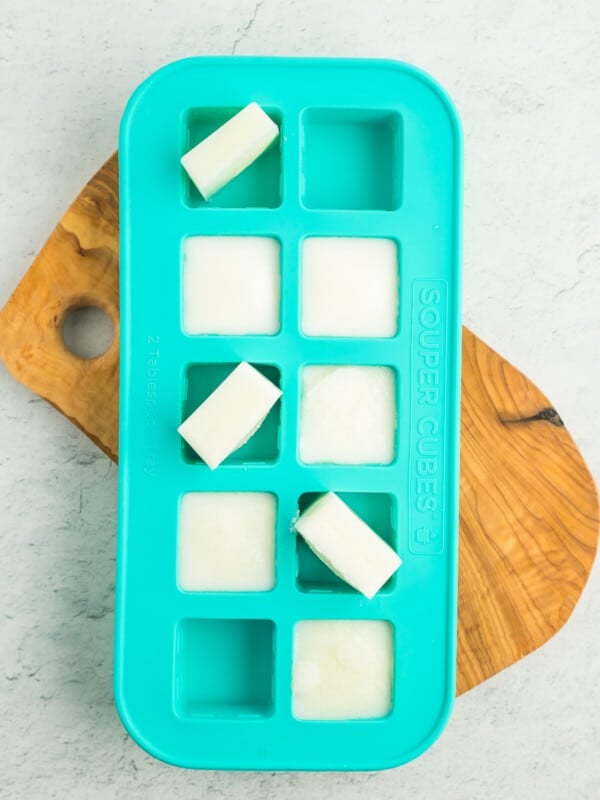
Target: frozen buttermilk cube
(349,287)
(231,285)
(230,415)
(230,149)
(349,547)
(226,542)
(342,669)
(347,415)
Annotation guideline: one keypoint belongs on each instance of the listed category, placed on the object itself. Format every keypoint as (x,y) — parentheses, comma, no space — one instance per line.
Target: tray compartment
(222,274)
(377,510)
(200,381)
(343,299)
(258,186)
(224,668)
(226,542)
(331,415)
(351,159)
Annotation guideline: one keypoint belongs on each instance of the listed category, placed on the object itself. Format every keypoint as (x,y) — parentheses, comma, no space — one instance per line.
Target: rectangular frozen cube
(349,547)
(230,415)
(230,149)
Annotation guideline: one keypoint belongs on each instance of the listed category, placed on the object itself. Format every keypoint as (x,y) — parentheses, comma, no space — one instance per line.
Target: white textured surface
(525,77)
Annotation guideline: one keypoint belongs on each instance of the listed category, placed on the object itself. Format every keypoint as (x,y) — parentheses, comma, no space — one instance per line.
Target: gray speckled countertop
(525,77)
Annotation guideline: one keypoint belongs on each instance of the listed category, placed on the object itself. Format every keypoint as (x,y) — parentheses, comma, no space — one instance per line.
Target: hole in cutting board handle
(87,331)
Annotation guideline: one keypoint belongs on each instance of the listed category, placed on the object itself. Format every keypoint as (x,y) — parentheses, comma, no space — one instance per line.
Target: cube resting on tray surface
(230,415)
(342,669)
(347,415)
(226,542)
(230,149)
(347,545)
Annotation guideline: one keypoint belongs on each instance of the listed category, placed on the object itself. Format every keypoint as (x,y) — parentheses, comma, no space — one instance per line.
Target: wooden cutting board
(529,509)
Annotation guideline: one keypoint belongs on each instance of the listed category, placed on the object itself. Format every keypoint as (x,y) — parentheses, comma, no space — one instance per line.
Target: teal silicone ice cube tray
(367,149)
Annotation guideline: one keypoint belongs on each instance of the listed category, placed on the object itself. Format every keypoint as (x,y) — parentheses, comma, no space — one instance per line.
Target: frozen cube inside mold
(342,669)
(230,149)
(348,415)
(344,541)
(226,542)
(377,509)
(231,285)
(349,287)
(231,414)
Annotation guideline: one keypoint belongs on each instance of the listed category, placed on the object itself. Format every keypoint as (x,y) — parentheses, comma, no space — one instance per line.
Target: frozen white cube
(349,287)
(230,415)
(342,669)
(343,541)
(231,285)
(347,415)
(226,542)
(230,149)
